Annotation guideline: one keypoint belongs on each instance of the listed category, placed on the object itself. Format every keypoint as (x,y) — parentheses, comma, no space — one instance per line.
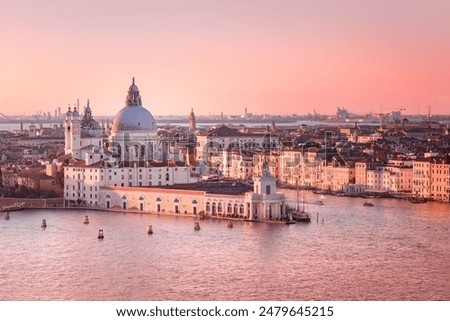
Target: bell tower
(72,133)
(192,122)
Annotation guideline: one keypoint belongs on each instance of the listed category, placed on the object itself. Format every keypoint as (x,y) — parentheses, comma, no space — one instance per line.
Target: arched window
(235,209)
(219,207)
(141,203)
(208,206)
(158,199)
(229,208)
(176,200)
(194,202)
(124,202)
(241,209)
(108,201)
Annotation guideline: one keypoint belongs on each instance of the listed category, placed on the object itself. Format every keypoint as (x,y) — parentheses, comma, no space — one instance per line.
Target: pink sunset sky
(278,56)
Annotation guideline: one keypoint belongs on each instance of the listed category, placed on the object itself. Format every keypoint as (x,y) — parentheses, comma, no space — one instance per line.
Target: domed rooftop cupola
(88,110)
(69,112)
(75,112)
(88,122)
(133,117)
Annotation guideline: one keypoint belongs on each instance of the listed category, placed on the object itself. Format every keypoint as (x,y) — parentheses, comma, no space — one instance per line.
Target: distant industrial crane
(396,113)
(37,117)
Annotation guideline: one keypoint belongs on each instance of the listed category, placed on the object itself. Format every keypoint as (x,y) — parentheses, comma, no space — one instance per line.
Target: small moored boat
(14,207)
(301,216)
(368,204)
(230,223)
(100,234)
(196,226)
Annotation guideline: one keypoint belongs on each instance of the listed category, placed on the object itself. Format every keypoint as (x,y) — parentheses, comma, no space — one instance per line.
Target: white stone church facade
(124,167)
(127,154)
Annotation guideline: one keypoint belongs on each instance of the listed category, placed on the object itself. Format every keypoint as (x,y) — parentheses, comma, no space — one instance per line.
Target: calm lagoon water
(392,251)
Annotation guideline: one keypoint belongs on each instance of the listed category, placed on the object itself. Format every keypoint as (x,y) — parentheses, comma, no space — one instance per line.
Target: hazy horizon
(288,56)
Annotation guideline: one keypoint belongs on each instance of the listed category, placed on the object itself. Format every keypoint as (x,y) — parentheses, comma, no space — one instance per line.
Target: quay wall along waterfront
(32,202)
(392,251)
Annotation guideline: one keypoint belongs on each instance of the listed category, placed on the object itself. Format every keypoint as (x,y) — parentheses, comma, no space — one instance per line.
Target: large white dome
(133,117)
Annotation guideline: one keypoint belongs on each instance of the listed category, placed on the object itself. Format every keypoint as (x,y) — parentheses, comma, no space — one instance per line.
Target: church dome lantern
(133,117)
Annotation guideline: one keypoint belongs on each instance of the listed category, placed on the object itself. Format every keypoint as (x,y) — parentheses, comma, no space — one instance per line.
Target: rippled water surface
(392,251)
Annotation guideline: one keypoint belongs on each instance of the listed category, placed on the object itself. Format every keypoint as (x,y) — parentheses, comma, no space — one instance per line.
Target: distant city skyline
(271,57)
